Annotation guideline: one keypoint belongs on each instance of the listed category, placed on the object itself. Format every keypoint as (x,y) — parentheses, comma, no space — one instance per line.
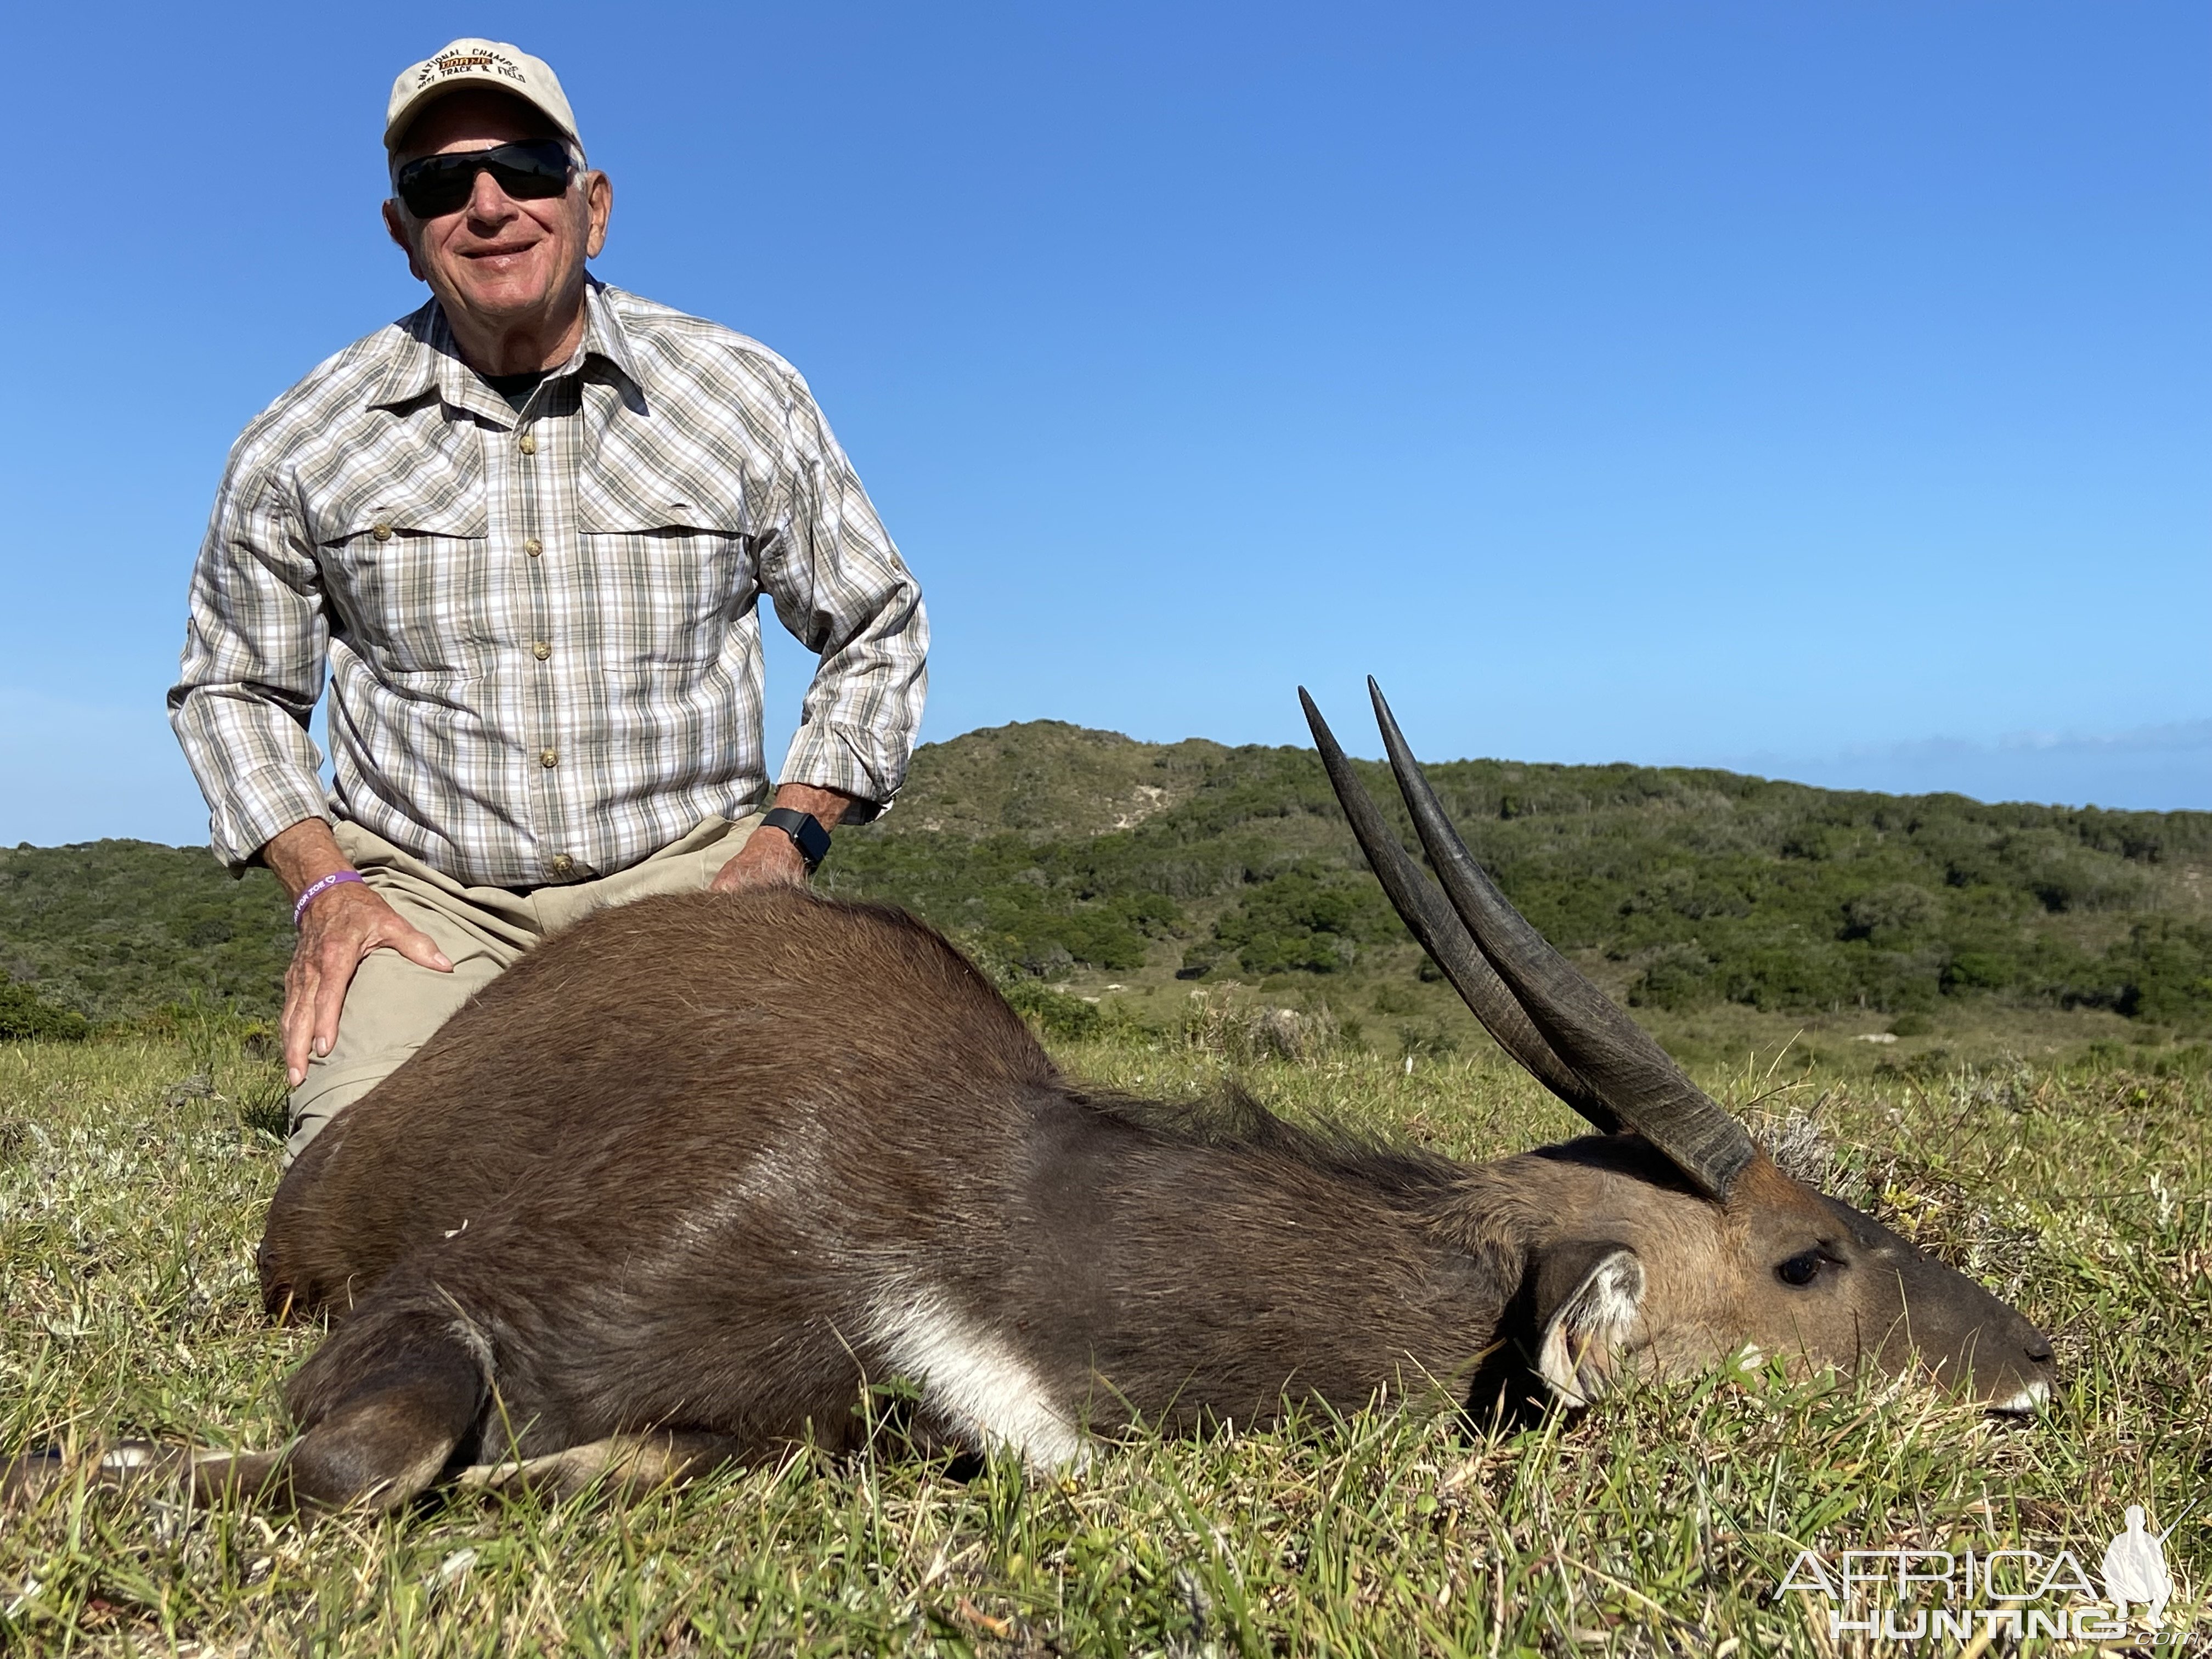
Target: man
(525,528)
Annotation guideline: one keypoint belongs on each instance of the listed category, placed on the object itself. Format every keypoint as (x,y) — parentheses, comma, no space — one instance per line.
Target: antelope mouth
(2028,1400)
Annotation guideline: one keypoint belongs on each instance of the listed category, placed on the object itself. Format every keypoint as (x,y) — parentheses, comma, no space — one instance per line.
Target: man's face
(498,260)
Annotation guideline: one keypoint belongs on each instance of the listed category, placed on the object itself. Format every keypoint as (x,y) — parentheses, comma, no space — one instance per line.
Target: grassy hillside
(1086,859)
(1137,874)
(115,929)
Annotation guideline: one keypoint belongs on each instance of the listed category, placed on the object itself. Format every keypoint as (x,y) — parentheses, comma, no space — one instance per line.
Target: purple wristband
(316,889)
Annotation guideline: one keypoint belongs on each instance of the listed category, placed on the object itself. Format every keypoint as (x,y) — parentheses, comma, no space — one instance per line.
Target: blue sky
(1824,389)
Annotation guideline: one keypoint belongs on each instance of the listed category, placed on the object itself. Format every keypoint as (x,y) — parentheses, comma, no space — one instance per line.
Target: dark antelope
(671,1191)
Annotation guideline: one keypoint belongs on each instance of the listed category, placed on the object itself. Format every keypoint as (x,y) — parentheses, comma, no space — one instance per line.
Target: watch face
(814,840)
(805,829)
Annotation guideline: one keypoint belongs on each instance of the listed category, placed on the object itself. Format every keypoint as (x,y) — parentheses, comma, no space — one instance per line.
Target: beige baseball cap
(468,64)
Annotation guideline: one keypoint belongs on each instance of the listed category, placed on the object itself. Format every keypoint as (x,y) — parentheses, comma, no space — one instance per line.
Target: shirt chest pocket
(668,575)
(414,588)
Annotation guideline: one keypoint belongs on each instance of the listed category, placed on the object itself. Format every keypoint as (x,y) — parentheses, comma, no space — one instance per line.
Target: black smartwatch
(805,831)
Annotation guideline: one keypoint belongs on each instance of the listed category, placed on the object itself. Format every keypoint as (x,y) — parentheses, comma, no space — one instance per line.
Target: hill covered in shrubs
(1056,852)
(1060,848)
(110,930)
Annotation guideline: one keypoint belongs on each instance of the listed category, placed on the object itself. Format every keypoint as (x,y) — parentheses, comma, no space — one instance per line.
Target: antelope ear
(1589,1306)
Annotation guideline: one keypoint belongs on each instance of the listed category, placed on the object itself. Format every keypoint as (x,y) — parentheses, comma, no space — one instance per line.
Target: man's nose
(487,200)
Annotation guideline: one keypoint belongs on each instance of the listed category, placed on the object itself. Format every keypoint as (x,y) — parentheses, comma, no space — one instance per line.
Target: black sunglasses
(438,184)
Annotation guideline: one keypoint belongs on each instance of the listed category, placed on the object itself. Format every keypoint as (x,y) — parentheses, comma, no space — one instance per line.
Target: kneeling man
(524,529)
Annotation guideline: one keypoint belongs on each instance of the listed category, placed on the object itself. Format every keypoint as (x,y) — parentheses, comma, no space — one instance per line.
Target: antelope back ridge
(681,1184)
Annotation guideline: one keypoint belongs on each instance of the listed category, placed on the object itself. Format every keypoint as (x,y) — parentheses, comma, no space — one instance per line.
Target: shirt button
(527,443)
(548,758)
(382,532)
(564,864)
(541,650)
(533,547)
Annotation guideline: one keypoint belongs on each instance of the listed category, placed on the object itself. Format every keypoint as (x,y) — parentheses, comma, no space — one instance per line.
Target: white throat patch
(976,1380)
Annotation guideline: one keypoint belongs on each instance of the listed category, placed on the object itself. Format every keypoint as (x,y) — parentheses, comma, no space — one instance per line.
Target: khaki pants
(393,1006)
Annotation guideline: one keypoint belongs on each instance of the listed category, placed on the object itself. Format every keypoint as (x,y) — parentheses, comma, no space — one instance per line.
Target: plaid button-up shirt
(540,629)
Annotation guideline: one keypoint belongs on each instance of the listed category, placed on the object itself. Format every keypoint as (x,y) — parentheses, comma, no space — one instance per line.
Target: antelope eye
(1802,1268)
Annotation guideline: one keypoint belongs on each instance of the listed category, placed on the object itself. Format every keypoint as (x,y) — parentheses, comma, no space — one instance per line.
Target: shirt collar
(424,359)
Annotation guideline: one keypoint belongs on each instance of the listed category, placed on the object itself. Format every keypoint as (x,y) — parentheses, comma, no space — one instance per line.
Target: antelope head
(1669,1240)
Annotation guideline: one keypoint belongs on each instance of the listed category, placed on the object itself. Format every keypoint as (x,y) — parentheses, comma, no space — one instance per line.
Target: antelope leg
(626,1467)
(29,1477)
(383,1405)
(125,1463)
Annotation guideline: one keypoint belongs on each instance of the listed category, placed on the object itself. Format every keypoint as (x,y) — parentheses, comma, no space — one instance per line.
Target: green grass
(132,1178)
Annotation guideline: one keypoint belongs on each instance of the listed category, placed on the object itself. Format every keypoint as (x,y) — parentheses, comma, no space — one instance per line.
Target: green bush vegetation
(114,930)
(26,1017)
(1706,887)
(1065,854)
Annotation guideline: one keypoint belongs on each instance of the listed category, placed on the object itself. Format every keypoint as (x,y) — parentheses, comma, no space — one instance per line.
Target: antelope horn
(1445,938)
(1630,1073)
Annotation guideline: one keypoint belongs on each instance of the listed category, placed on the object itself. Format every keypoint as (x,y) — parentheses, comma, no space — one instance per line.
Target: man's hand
(341,927)
(771,858)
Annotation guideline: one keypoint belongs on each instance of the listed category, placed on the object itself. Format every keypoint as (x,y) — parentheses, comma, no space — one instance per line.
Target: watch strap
(805,829)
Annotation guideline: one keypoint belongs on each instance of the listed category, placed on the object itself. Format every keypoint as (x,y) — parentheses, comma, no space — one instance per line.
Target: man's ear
(598,208)
(1589,1308)
(396,227)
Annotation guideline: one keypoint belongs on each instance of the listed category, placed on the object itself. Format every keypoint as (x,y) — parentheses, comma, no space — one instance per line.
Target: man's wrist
(302,854)
(315,889)
(829,806)
(805,829)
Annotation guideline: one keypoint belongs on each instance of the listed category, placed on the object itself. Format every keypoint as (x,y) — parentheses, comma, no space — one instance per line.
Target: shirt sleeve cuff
(257,808)
(853,762)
